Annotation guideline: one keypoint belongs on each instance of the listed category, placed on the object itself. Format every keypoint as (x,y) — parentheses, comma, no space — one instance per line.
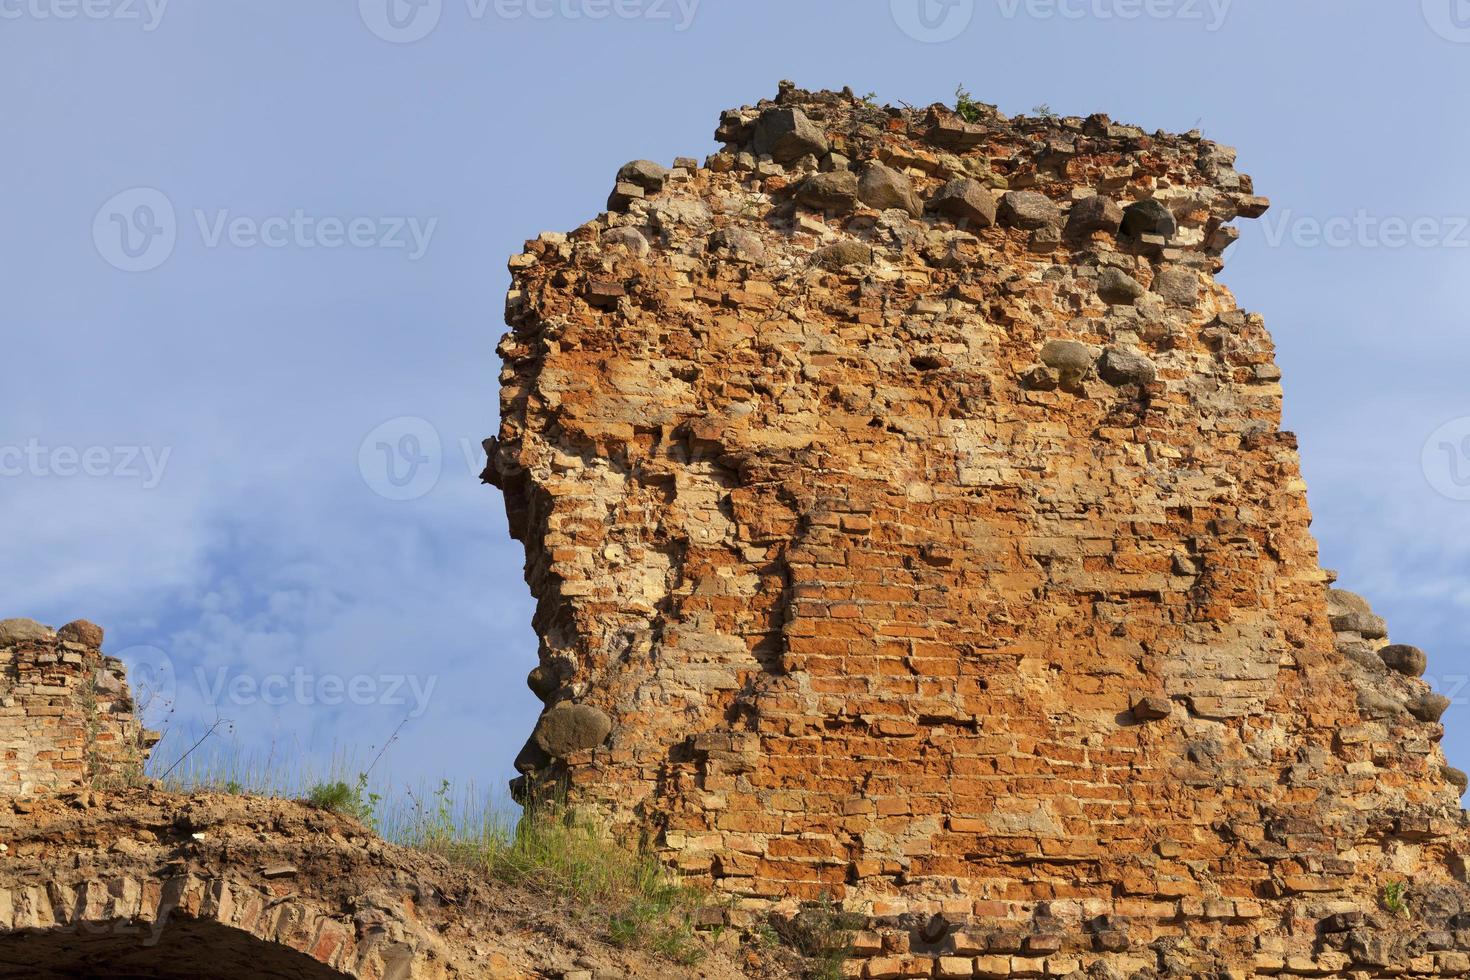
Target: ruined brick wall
(911,524)
(66,718)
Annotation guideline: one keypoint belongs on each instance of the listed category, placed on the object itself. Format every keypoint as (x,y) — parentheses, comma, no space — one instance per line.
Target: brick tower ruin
(911,525)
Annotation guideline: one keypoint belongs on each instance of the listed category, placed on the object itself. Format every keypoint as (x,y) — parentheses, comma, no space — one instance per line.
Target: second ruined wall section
(67,719)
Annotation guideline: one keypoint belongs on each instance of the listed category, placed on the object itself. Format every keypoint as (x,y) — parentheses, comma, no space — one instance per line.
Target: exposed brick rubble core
(910,523)
(66,717)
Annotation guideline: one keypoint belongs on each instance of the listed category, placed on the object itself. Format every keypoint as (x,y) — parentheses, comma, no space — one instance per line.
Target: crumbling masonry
(66,716)
(911,525)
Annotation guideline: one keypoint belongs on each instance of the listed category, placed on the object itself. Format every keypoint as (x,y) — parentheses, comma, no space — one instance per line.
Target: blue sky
(196,454)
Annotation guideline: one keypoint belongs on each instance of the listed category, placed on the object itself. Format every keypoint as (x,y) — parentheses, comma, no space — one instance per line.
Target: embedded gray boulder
(883,187)
(1029,209)
(569,728)
(13,631)
(1429,707)
(1377,705)
(787,135)
(630,238)
(645,173)
(1092,214)
(739,244)
(1121,367)
(1456,778)
(1069,357)
(1181,287)
(1118,287)
(1407,660)
(623,194)
(542,682)
(1350,613)
(1362,653)
(842,254)
(1148,218)
(965,199)
(531,758)
(835,191)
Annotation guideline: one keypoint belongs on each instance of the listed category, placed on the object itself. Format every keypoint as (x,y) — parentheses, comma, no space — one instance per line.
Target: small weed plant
(966,107)
(1395,898)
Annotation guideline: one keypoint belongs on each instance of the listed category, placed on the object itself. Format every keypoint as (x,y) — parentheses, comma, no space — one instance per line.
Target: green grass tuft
(556,851)
(350,800)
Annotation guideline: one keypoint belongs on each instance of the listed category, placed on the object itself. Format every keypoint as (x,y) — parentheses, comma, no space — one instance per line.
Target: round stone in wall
(569,728)
(1405,659)
(1148,218)
(1429,707)
(83,632)
(1067,356)
(645,173)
